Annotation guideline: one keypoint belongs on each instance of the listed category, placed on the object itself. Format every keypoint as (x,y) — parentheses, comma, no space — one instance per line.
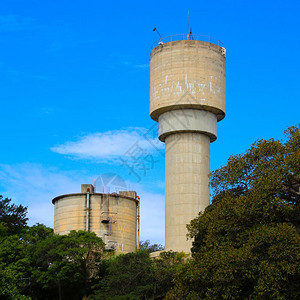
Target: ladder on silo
(108,217)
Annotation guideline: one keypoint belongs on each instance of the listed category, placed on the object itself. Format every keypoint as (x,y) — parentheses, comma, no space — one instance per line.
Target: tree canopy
(38,264)
(137,276)
(146,245)
(65,264)
(12,217)
(246,243)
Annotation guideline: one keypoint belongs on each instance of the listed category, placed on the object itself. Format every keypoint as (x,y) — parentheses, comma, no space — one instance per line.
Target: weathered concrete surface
(112,217)
(187,185)
(189,74)
(87,188)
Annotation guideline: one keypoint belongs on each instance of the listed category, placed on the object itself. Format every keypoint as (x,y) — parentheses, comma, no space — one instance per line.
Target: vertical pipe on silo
(88,211)
(138,224)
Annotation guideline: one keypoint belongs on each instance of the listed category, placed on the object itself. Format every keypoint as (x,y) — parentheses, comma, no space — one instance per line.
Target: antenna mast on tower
(188,21)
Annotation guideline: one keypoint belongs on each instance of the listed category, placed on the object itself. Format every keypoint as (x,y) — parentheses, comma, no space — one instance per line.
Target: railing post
(187,36)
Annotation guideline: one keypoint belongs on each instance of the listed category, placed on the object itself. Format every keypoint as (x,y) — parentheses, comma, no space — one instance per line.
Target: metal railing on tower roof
(187,36)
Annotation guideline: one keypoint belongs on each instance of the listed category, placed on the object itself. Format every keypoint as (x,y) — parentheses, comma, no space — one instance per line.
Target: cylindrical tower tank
(113,217)
(187,98)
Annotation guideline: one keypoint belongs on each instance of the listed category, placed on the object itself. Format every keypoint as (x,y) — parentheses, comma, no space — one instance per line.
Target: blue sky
(74,91)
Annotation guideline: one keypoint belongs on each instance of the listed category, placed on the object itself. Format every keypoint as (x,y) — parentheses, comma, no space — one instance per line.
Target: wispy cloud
(15,23)
(118,58)
(109,146)
(131,64)
(34,185)
(142,66)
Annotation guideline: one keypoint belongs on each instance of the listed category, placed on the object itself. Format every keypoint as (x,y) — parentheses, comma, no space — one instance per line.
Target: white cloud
(109,146)
(35,186)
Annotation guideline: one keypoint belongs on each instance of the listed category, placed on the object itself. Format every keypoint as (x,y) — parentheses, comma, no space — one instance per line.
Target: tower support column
(187,185)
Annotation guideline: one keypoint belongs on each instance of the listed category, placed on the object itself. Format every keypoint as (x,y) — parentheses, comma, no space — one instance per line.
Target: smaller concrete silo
(113,217)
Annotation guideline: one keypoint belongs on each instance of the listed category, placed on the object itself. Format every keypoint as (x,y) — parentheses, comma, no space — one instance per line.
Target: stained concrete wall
(187,185)
(189,74)
(116,226)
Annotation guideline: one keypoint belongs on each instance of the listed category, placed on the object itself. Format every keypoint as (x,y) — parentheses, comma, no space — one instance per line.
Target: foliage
(42,265)
(65,264)
(12,217)
(164,268)
(14,267)
(128,275)
(137,276)
(246,244)
(146,245)
(9,286)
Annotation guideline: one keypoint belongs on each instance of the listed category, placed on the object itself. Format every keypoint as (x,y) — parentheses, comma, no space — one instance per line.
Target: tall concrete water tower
(187,98)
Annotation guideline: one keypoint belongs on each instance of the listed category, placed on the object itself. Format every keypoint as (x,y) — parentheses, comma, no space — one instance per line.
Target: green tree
(137,276)
(9,282)
(146,245)
(128,276)
(12,217)
(14,266)
(64,266)
(246,244)
(164,269)
(38,264)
